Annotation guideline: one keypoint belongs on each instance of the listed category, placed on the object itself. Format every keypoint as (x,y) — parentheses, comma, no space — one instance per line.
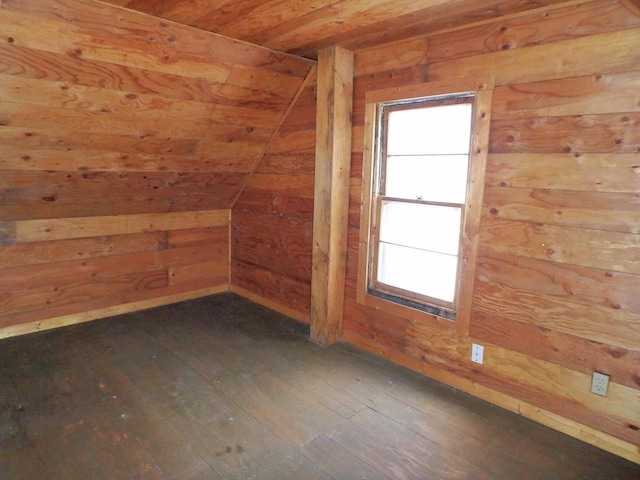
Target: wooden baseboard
(569,427)
(87,316)
(271,304)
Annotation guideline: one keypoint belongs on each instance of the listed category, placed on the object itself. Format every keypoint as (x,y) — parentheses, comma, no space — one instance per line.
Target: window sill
(407,312)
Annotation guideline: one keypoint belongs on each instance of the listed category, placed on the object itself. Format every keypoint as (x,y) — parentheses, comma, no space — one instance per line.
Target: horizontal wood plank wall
(272,221)
(124,141)
(557,282)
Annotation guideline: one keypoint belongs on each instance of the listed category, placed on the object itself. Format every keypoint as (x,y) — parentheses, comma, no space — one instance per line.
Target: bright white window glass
(423,272)
(429,130)
(439,178)
(422,226)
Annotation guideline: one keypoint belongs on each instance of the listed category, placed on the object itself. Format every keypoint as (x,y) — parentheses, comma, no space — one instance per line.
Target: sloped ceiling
(303,27)
(105,111)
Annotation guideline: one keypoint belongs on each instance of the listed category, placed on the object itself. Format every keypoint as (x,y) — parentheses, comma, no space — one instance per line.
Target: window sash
(418,295)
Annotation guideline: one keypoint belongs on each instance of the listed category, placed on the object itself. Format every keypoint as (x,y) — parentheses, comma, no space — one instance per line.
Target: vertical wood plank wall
(557,282)
(272,221)
(124,141)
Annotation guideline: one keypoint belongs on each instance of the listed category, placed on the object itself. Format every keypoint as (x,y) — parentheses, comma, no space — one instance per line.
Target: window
(421,188)
(423,172)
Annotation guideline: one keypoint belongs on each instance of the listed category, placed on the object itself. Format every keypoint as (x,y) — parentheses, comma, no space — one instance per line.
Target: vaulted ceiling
(304,26)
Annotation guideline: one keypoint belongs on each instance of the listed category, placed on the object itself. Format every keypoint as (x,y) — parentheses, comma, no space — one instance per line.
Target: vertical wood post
(331,193)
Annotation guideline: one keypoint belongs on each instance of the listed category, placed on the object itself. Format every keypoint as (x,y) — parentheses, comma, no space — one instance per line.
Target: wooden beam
(331,193)
(42,230)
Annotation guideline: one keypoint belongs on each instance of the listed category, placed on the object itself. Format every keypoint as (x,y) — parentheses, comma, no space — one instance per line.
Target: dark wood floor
(222,388)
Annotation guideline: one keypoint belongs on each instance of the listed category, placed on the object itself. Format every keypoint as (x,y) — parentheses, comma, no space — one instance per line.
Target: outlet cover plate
(599,383)
(477,353)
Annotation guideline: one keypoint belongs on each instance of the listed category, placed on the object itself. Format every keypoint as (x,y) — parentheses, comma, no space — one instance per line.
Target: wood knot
(10,40)
(617,353)
(49,198)
(494,211)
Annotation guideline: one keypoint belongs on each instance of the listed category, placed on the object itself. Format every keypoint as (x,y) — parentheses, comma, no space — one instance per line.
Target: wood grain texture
(305,29)
(599,249)
(543,27)
(555,288)
(103,312)
(272,219)
(591,172)
(125,141)
(73,249)
(566,298)
(590,55)
(275,243)
(66,228)
(570,96)
(331,193)
(272,286)
(84,269)
(564,138)
(264,390)
(87,160)
(558,347)
(516,374)
(145,28)
(606,133)
(618,212)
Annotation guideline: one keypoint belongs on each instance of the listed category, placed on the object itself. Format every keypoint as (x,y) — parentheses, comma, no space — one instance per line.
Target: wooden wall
(558,276)
(272,221)
(124,141)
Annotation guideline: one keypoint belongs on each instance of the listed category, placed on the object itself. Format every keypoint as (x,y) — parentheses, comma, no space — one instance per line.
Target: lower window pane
(419,271)
(423,226)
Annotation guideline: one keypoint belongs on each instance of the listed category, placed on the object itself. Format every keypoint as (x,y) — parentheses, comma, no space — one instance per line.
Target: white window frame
(388,299)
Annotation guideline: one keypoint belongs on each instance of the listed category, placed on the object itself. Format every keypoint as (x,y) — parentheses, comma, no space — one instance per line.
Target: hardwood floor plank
(221,388)
(343,464)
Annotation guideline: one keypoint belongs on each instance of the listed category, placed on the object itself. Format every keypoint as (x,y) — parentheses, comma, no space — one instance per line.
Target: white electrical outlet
(477,353)
(599,383)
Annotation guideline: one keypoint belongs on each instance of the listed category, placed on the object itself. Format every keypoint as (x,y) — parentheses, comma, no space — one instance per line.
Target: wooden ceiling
(303,27)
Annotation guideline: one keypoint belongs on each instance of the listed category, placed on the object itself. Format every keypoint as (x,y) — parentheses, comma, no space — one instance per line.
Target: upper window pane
(439,178)
(429,130)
